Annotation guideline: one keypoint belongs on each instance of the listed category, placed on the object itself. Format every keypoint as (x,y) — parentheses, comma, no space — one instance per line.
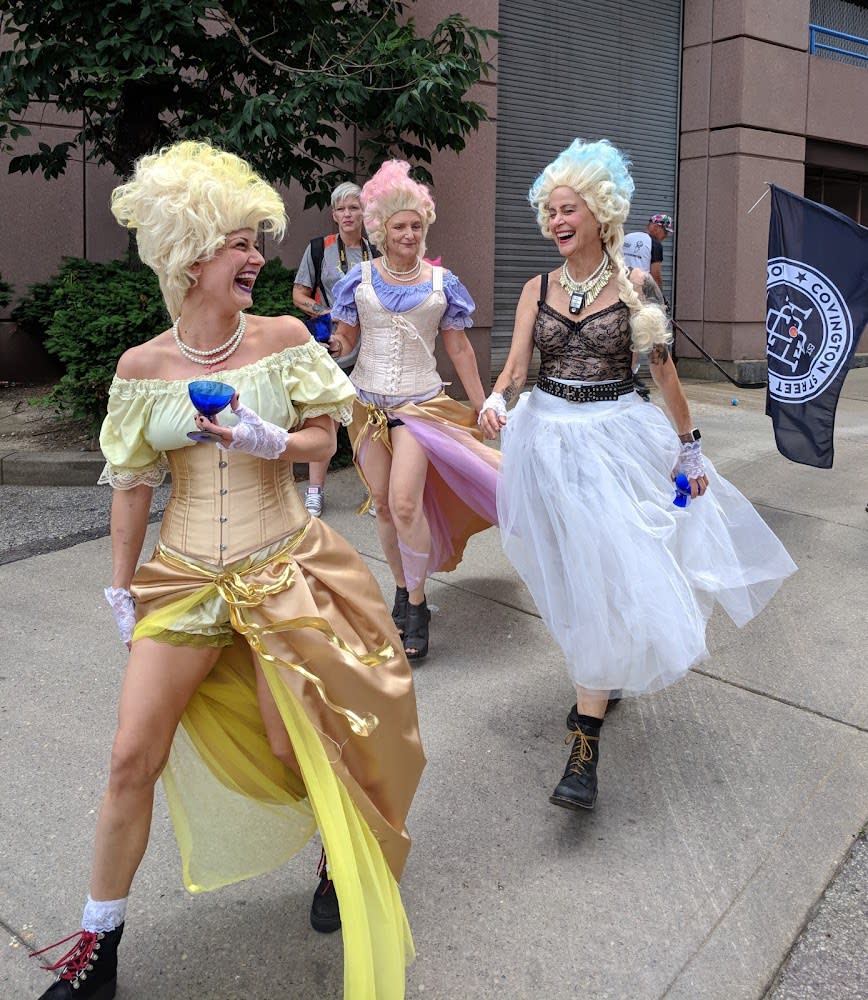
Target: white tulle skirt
(625,580)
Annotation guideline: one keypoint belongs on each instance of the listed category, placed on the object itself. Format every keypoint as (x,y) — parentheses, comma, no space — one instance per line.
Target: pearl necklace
(405,276)
(217,354)
(583,293)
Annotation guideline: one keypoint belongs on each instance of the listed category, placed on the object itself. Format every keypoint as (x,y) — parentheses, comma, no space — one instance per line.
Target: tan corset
(225,504)
(396,356)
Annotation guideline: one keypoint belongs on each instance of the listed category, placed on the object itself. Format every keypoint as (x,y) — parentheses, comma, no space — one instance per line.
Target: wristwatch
(690,436)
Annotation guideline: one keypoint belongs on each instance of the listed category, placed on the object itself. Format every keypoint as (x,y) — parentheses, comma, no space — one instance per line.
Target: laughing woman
(420,452)
(263,680)
(624,579)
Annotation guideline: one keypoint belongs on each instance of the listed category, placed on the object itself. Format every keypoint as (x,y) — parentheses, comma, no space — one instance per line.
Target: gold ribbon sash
(240,593)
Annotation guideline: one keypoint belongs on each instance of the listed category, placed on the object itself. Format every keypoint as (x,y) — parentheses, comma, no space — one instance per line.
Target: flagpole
(738,384)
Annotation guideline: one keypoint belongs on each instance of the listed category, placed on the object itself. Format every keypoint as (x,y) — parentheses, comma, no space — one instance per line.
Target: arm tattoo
(651,292)
(658,354)
(510,390)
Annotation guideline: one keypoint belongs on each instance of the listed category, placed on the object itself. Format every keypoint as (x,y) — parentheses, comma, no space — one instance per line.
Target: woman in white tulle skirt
(624,577)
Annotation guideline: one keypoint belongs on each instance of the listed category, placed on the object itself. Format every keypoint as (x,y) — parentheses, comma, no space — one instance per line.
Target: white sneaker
(313,499)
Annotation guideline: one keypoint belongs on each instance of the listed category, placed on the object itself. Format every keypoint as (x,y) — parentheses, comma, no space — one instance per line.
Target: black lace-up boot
(325,915)
(88,971)
(577,789)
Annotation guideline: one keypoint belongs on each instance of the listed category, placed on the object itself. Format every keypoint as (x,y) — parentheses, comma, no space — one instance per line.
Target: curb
(67,468)
(50,468)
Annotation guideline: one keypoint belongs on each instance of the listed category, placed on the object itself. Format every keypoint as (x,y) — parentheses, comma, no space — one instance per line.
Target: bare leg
(377,466)
(406,486)
(159,681)
(316,473)
(591,703)
(278,737)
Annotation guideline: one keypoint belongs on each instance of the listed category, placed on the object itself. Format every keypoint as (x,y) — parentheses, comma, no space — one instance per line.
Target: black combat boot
(577,789)
(88,971)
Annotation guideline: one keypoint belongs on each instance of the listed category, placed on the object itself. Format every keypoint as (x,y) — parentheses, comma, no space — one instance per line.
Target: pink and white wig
(600,174)
(392,190)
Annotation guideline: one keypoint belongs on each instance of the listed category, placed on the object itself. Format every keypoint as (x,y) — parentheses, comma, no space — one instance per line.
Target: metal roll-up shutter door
(593,69)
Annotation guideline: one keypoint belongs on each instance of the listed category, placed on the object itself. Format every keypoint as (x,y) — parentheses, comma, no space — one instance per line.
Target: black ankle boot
(577,789)
(399,609)
(325,915)
(88,971)
(416,636)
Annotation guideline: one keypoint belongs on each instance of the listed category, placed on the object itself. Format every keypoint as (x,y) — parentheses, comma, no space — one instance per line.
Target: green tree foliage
(5,293)
(281,82)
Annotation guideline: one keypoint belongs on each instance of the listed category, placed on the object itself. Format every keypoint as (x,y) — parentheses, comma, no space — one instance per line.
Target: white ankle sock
(103,914)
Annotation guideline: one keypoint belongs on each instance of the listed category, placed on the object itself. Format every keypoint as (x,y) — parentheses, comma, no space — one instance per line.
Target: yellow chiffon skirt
(314,617)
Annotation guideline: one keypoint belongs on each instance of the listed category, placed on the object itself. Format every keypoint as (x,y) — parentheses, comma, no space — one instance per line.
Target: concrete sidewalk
(727,802)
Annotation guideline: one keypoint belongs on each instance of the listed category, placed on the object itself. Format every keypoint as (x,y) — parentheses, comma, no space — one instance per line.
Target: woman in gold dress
(265,679)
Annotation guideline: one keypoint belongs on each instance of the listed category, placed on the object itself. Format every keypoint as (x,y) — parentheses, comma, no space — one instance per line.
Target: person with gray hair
(326,260)
(592,499)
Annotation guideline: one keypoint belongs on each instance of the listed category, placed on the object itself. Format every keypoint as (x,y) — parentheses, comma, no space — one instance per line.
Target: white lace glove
(690,460)
(123,606)
(256,436)
(494,402)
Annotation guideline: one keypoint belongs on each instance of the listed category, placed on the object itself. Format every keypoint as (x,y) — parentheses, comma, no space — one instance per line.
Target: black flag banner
(816,309)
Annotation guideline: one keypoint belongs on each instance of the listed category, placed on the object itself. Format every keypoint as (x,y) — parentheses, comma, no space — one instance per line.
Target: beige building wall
(750,96)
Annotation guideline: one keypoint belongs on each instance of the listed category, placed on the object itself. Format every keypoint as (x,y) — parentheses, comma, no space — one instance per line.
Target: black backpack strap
(317,252)
(543,288)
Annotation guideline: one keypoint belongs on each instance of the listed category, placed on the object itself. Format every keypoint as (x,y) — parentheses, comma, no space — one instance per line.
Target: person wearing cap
(645,250)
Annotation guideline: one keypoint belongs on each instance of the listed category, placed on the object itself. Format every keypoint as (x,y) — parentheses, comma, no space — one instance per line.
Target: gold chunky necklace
(583,293)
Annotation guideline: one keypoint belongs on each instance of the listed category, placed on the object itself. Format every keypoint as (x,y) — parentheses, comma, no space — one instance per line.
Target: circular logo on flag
(809,331)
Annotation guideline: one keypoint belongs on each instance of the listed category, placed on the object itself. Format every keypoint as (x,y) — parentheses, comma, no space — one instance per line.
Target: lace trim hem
(342,412)
(127,479)
(195,640)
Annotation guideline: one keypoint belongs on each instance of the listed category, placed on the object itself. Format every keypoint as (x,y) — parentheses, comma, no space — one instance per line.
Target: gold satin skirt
(313,615)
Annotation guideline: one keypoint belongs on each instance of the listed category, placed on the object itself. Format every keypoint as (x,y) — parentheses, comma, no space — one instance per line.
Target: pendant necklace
(583,293)
(406,276)
(216,355)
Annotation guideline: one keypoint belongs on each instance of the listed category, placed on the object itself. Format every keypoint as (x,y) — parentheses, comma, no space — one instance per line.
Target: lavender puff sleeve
(459,304)
(344,297)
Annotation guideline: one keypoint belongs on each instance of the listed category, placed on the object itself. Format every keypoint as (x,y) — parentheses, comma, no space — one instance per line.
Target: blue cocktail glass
(320,326)
(682,490)
(209,398)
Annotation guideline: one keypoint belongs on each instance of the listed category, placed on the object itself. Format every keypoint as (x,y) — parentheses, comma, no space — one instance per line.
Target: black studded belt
(585,393)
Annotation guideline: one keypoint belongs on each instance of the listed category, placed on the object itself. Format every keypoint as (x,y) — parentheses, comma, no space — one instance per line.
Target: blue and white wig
(600,174)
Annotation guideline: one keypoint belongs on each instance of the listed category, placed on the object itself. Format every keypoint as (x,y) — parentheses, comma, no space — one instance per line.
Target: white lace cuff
(126,479)
(494,402)
(690,460)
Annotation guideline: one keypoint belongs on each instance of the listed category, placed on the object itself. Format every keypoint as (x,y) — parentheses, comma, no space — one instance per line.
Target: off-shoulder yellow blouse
(149,417)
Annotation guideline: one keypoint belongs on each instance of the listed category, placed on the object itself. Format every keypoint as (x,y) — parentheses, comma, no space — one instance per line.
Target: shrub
(5,293)
(272,295)
(88,314)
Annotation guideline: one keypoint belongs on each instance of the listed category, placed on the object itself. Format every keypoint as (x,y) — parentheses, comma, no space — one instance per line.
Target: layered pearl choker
(405,276)
(217,354)
(583,293)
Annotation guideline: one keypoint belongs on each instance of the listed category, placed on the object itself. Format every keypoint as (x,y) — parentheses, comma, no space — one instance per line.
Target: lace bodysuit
(595,348)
